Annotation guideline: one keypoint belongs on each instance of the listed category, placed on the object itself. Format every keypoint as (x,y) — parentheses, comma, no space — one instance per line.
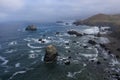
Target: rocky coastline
(113,21)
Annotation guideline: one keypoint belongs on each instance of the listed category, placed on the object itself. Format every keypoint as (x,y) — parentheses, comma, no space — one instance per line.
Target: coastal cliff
(113,21)
(100,20)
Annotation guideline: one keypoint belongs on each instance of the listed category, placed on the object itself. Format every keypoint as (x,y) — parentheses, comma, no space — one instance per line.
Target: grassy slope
(101,20)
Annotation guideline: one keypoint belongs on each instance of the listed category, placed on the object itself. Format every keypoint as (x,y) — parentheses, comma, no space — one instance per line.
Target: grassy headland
(112,21)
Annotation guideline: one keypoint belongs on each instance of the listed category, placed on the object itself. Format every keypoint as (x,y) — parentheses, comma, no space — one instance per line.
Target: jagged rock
(41,40)
(67,62)
(31,28)
(51,54)
(92,42)
(74,33)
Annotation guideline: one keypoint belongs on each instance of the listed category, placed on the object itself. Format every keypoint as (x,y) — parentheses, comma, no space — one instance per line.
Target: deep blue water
(21,54)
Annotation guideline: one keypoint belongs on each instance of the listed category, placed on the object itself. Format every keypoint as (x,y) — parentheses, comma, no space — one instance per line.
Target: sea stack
(51,54)
(31,28)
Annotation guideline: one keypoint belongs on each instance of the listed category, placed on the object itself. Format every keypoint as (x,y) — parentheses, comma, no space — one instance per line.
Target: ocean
(21,54)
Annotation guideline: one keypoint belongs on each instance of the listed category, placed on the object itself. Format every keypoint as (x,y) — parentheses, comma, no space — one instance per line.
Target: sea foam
(93,30)
(5,61)
(19,72)
(13,43)
(33,47)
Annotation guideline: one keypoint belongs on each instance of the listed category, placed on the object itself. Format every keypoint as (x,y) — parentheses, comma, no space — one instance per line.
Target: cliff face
(101,20)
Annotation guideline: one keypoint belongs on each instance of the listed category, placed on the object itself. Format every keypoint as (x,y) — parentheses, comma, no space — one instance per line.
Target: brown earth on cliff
(100,20)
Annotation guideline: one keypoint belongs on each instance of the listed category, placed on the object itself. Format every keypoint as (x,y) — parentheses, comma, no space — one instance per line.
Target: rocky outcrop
(67,62)
(51,54)
(31,28)
(92,42)
(72,32)
(42,40)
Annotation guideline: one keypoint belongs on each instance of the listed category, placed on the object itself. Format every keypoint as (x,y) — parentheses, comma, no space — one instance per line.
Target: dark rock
(42,41)
(98,62)
(57,33)
(69,51)
(109,52)
(85,46)
(106,48)
(118,49)
(31,28)
(105,59)
(74,41)
(67,62)
(92,42)
(69,57)
(67,44)
(85,34)
(51,54)
(117,56)
(74,33)
(102,45)
(98,34)
(92,60)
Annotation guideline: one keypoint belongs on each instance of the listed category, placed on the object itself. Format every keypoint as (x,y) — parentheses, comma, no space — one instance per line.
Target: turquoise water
(21,54)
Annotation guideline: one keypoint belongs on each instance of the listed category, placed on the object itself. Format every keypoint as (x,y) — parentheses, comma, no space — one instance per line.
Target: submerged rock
(92,42)
(51,54)
(57,33)
(74,33)
(74,41)
(31,28)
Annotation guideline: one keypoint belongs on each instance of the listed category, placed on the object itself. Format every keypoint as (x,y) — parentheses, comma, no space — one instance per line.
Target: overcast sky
(52,10)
